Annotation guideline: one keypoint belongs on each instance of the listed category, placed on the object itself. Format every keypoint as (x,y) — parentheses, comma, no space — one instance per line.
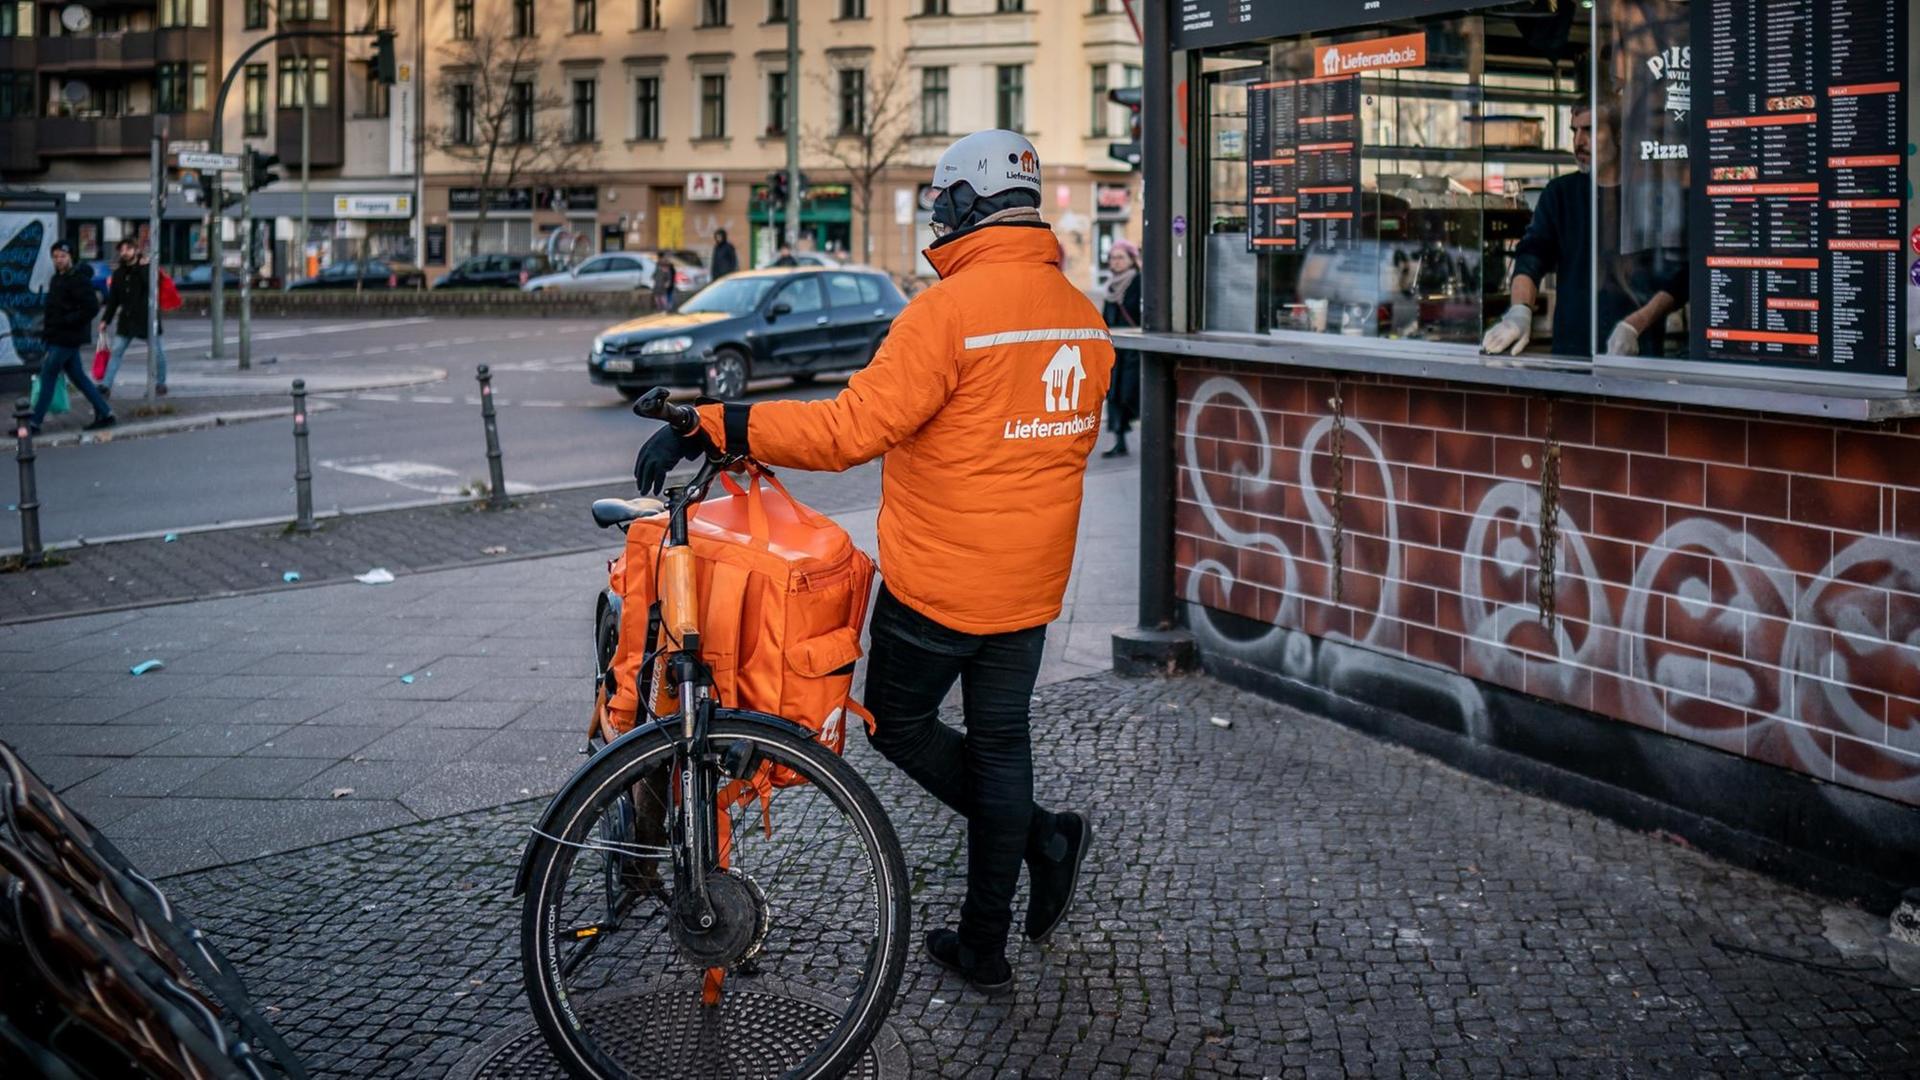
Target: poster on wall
(1798,221)
(26,265)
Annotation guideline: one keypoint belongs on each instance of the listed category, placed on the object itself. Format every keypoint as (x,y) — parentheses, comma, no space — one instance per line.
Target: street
(370,448)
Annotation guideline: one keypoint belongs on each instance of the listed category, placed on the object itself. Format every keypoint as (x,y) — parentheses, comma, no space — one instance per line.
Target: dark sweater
(1559,240)
(127,297)
(71,303)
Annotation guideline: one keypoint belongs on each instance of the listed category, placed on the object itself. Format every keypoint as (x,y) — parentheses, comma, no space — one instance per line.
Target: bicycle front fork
(696,849)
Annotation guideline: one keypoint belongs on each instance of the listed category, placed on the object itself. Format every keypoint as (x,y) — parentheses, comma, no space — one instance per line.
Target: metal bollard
(302,469)
(496,476)
(31,553)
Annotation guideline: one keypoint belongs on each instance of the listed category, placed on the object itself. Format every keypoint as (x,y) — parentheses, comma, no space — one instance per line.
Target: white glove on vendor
(1624,341)
(1511,333)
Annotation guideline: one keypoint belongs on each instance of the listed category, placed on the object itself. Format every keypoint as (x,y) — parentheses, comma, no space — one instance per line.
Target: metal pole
(30,551)
(246,274)
(306,146)
(792,230)
(496,475)
(153,259)
(302,470)
(217,252)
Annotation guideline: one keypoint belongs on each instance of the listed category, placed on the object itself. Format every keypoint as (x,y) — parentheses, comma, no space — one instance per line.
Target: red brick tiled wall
(1747,582)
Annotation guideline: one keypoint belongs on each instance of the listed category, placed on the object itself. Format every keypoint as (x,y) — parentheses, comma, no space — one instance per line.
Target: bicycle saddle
(610,512)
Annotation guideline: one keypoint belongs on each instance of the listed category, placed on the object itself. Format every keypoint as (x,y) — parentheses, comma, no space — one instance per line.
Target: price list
(1304,179)
(1800,217)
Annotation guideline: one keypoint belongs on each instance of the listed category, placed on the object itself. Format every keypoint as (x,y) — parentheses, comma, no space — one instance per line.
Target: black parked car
(372,274)
(795,322)
(494,272)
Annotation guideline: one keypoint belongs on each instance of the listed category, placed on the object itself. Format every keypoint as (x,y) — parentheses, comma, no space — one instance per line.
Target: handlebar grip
(654,406)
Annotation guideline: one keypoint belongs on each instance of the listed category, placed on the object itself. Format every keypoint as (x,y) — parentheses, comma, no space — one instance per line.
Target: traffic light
(1128,151)
(259,169)
(777,187)
(384,67)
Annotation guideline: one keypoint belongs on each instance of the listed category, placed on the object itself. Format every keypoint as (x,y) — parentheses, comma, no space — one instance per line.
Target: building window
(291,84)
(584,126)
(523,19)
(170,88)
(1101,106)
(647,15)
(197,87)
(522,103)
(463,20)
(1099,8)
(378,102)
(1009,6)
(586,17)
(777,10)
(853,9)
(254,96)
(16,93)
(178,13)
(382,12)
(16,19)
(933,7)
(776,103)
(646,107)
(713,12)
(853,101)
(256,14)
(933,101)
(1010,96)
(463,113)
(713,106)
(305,11)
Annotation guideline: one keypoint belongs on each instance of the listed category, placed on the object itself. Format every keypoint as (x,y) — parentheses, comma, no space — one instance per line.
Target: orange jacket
(986,398)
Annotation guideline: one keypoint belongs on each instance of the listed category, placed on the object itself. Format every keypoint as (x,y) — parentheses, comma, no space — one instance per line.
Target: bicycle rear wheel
(813,915)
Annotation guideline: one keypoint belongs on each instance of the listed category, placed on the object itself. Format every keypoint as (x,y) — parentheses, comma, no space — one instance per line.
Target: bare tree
(870,133)
(499,123)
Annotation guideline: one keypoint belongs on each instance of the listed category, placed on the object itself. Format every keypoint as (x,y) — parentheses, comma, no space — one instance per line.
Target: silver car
(610,271)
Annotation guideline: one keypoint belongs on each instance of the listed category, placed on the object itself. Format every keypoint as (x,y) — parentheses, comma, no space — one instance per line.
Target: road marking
(378,397)
(337,328)
(432,399)
(414,476)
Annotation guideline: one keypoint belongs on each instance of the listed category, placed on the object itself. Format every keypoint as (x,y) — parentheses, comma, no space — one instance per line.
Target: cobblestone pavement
(1281,896)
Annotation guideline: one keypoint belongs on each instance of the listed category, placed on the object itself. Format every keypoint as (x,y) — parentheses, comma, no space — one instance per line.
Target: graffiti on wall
(1800,658)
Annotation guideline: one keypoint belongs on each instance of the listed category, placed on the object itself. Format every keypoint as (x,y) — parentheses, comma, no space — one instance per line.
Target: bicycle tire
(616,769)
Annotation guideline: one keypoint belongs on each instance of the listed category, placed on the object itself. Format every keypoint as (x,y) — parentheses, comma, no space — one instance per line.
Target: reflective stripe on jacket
(985,399)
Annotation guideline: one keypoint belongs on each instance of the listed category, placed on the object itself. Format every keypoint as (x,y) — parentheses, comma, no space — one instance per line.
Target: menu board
(1303,179)
(1799,139)
(1198,23)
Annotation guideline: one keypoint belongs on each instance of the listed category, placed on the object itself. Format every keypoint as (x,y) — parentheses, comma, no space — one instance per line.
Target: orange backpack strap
(757,525)
(722,613)
(807,513)
(860,711)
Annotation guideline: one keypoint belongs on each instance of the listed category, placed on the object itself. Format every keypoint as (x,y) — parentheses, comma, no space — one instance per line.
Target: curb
(161,427)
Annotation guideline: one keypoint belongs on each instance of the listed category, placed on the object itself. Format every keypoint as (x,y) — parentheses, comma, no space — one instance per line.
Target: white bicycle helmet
(990,162)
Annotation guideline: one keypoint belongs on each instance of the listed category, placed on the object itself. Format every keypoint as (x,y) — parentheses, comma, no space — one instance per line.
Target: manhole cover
(759,1032)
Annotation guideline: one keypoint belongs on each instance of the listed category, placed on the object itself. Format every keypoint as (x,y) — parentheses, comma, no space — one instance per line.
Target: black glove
(666,449)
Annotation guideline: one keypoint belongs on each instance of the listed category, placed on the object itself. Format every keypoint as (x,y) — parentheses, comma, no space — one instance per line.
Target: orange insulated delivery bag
(783,598)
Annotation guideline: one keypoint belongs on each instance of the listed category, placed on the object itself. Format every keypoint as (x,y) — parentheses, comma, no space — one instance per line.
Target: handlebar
(653,405)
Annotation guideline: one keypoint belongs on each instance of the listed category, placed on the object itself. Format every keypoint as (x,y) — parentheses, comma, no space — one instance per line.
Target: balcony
(19,145)
(105,52)
(61,136)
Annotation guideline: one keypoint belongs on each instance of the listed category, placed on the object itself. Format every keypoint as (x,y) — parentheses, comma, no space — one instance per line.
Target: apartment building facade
(81,97)
(666,118)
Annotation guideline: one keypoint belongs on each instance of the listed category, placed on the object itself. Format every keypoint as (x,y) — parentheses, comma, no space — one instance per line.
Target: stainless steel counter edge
(1565,377)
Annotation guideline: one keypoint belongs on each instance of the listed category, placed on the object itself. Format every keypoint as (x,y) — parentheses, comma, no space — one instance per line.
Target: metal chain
(1338,402)
(1549,525)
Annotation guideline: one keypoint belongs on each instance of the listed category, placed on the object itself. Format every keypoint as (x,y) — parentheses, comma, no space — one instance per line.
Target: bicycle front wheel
(799,973)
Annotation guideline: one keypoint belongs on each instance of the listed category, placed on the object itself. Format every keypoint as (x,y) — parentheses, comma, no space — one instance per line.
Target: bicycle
(666,929)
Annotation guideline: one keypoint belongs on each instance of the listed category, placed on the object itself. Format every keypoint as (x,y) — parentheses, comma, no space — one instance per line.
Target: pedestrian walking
(988,387)
(663,282)
(68,322)
(1122,312)
(127,299)
(725,260)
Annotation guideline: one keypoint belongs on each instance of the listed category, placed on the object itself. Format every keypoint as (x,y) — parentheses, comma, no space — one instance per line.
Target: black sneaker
(99,422)
(989,975)
(1052,882)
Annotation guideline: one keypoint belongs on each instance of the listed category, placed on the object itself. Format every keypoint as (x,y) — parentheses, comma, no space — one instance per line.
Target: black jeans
(987,773)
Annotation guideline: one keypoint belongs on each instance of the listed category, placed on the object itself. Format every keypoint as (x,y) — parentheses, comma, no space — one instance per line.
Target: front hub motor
(740,921)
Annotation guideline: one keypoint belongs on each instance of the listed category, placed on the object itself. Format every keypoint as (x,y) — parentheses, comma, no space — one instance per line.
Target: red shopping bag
(169,296)
(101,354)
